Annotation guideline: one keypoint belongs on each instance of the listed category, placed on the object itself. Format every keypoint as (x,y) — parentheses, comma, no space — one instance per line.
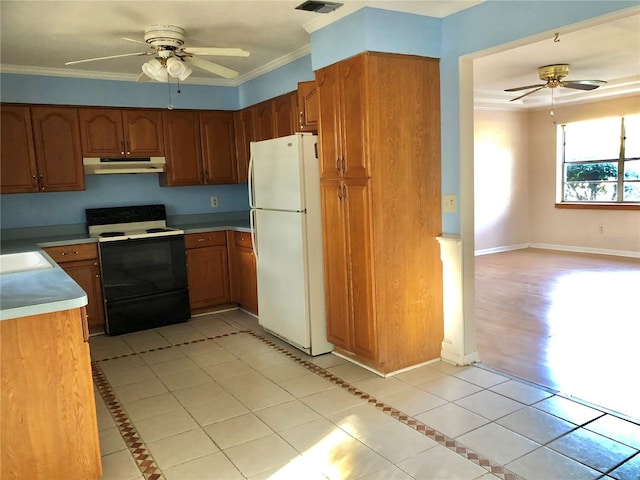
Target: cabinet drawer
(242,239)
(72,253)
(206,239)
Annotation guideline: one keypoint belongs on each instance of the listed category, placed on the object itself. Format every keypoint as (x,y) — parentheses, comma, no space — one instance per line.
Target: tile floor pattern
(218,398)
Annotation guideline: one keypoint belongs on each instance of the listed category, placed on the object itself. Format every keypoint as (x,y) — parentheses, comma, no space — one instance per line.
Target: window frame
(561,183)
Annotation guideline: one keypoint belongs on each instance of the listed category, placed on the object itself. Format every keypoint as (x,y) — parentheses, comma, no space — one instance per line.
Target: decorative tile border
(151,471)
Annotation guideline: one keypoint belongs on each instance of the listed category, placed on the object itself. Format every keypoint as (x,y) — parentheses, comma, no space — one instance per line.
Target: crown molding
(128,77)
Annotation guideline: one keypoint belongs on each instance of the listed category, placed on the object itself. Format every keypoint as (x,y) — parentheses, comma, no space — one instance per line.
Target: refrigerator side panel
(315,257)
(277,174)
(282,275)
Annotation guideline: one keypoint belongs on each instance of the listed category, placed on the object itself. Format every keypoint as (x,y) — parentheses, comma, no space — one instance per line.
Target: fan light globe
(154,69)
(175,67)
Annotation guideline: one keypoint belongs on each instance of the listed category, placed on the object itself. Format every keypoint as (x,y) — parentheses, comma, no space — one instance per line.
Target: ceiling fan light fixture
(155,70)
(176,68)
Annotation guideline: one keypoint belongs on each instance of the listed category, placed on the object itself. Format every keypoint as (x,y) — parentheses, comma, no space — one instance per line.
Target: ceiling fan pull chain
(170,106)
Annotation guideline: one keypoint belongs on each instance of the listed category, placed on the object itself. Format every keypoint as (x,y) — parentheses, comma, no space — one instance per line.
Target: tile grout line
(148,467)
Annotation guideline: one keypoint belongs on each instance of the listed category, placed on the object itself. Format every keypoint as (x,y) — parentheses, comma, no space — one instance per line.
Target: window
(601,160)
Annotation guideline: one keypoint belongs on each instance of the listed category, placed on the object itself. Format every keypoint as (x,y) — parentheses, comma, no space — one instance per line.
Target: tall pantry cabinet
(379,128)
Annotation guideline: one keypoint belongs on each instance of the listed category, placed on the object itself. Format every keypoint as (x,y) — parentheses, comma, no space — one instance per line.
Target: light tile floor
(239,407)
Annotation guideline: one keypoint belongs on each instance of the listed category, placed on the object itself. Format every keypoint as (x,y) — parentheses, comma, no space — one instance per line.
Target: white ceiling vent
(318,7)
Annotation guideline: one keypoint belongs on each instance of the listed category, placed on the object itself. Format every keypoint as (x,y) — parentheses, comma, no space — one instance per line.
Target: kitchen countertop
(50,290)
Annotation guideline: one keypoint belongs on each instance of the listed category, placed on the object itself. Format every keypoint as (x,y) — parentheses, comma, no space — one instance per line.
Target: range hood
(111,166)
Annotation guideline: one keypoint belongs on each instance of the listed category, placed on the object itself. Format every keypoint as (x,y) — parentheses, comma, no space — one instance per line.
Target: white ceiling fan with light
(171,58)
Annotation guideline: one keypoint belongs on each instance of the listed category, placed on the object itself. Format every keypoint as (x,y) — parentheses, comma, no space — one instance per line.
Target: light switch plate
(449,204)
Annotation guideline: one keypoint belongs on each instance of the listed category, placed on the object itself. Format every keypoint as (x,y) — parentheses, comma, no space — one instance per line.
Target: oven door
(144,282)
(144,266)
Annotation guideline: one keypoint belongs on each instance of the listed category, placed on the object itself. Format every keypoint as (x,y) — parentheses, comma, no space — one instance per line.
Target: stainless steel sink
(23,262)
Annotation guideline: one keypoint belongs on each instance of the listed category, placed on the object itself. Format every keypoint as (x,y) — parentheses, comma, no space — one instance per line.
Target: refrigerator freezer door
(278,174)
(283,288)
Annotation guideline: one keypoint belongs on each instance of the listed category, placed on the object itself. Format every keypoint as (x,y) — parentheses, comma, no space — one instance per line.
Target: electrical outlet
(214,202)
(449,204)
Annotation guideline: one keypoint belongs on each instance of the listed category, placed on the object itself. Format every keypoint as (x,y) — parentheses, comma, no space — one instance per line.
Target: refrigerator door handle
(252,224)
(250,182)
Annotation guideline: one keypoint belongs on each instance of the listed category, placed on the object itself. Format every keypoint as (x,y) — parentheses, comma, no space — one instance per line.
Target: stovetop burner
(157,230)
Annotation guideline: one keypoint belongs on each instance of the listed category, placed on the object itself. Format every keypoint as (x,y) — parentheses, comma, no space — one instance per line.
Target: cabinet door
(87,275)
(182,144)
(284,113)
(246,275)
(354,126)
(56,134)
(307,107)
(329,120)
(18,172)
(358,225)
(101,132)
(143,133)
(208,274)
(265,122)
(245,134)
(336,264)
(218,147)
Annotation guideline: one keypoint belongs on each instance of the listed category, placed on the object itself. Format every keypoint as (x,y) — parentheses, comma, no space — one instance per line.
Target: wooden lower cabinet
(48,425)
(245,272)
(81,263)
(207,270)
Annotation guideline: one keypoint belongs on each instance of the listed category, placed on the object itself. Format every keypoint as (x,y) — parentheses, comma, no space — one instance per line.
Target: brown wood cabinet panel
(285,109)
(205,239)
(182,148)
(80,262)
(101,132)
(336,266)
(245,130)
(208,275)
(218,147)
(264,121)
(307,107)
(246,272)
(18,171)
(112,132)
(48,426)
(143,133)
(56,134)
(330,119)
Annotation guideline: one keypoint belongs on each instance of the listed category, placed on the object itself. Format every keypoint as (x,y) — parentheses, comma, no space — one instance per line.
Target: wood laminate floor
(567,321)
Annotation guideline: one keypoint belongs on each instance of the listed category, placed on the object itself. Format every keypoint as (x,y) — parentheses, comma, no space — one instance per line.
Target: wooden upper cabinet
(183,149)
(264,121)
(217,135)
(18,172)
(109,132)
(56,135)
(245,131)
(343,114)
(307,107)
(284,114)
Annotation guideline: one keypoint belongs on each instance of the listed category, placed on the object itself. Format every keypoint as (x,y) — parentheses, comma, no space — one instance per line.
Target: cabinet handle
(122,147)
(70,253)
(126,144)
(201,239)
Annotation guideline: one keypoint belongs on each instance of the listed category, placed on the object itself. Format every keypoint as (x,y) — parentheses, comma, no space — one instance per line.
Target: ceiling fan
(171,58)
(554,75)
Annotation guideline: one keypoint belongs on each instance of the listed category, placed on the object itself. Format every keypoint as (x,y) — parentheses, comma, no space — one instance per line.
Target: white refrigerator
(286,221)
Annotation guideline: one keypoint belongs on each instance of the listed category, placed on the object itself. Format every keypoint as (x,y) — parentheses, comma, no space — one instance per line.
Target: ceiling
(38,37)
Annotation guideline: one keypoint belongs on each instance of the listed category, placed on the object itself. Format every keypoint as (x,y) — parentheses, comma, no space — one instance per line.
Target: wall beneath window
(570,228)
(501,186)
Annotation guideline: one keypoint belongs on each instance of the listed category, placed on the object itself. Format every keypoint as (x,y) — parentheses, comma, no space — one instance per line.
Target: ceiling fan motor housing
(167,36)
(553,73)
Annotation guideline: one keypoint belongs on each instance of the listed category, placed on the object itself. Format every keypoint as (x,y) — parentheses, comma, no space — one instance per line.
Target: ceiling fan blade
(143,78)
(222,52)
(528,93)
(212,67)
(134,40)
(109,57)
(584,84)
(524,88)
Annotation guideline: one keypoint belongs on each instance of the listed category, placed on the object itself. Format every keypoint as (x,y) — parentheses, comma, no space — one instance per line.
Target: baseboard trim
(506,248)
(563,248)
(597,251)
